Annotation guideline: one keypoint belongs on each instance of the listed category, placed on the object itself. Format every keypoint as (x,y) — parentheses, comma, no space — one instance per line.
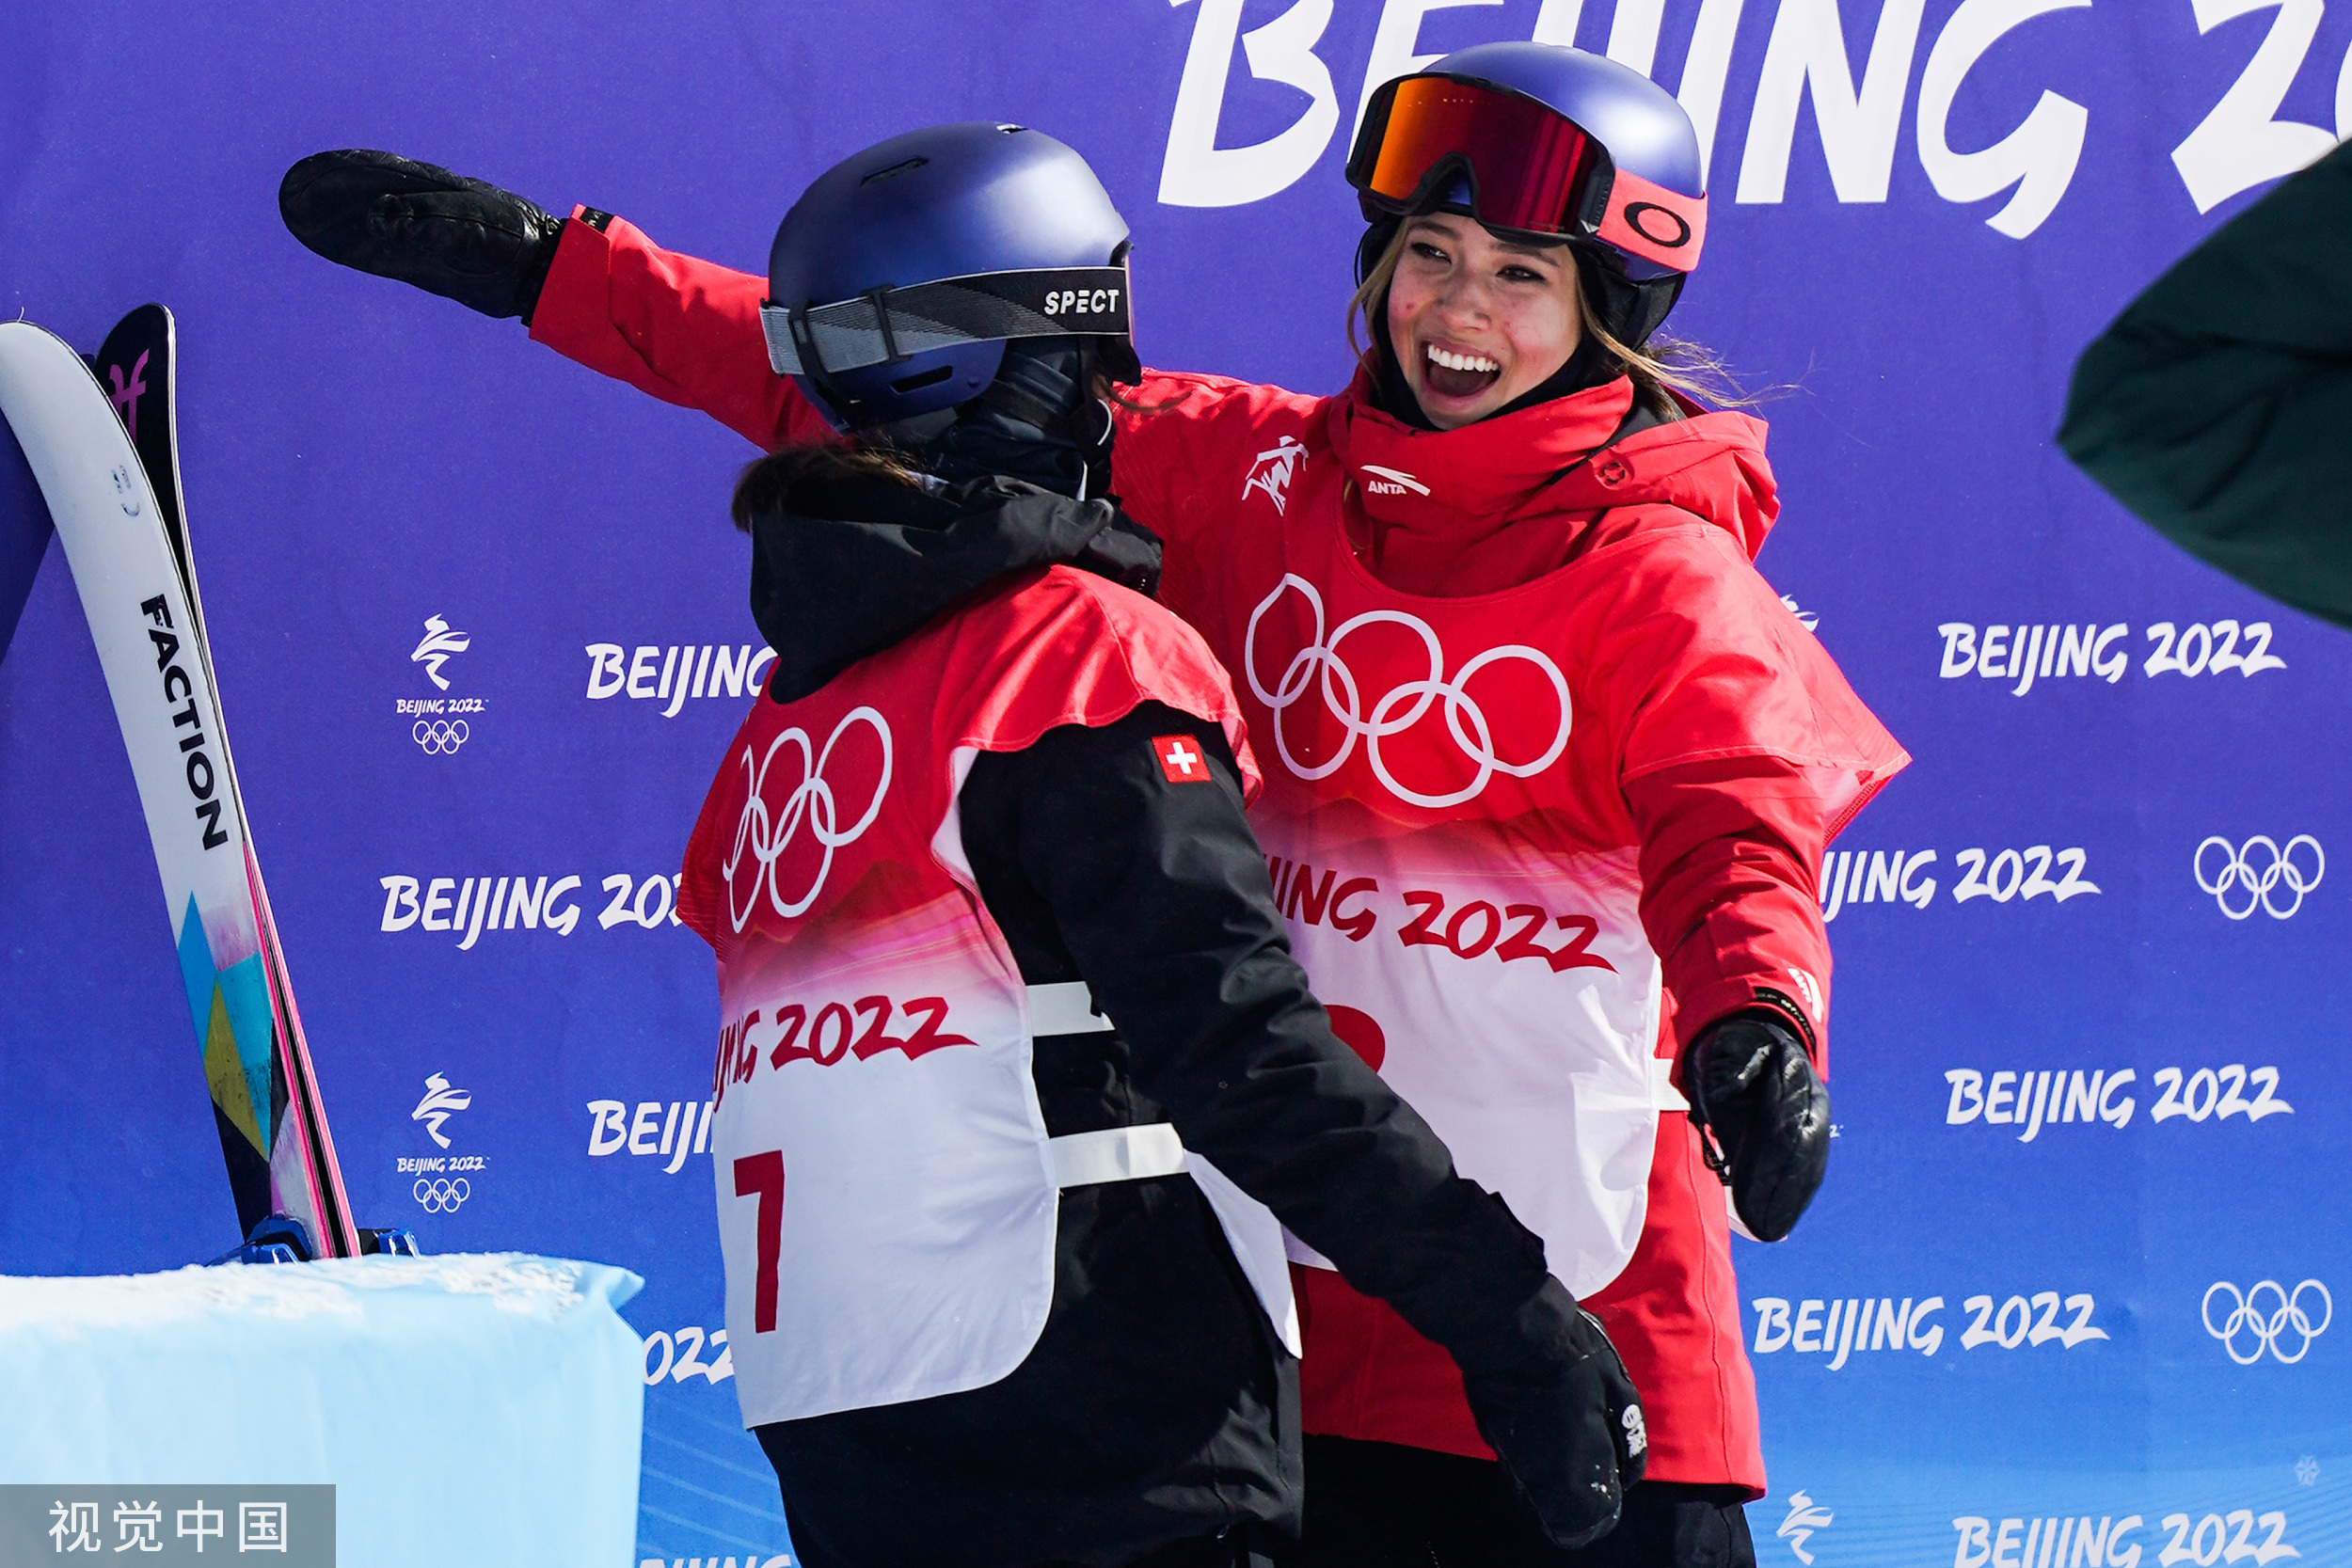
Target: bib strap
(1663,1095)
(1065,1008)
(1116,1154)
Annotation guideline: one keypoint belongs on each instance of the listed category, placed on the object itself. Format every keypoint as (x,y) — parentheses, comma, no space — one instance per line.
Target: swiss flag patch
(1180,758)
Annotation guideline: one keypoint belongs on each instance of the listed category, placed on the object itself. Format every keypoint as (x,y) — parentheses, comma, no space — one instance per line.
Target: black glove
(1763,1119)
(462,239)
(1553,1400)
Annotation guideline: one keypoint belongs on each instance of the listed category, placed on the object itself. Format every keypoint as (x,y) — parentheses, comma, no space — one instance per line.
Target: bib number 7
(762,1175)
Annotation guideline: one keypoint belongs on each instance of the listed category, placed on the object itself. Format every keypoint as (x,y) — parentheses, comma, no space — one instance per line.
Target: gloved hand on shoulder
(463,239)
(1763,1119)
(1553,1400)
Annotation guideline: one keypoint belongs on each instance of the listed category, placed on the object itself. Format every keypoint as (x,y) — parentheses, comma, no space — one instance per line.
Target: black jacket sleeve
(2216,407)
(1160,895)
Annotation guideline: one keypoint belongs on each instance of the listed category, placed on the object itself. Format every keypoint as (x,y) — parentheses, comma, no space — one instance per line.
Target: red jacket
(1728,822)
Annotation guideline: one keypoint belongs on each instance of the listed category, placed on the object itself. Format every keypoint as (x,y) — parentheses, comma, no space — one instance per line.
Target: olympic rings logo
(2246,1316)
(1402,706)
(437,737)
(766,837)
(441,1198)
(2239,873)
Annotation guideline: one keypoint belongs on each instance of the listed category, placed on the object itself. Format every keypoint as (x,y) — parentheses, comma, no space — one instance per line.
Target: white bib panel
(1541,1079)
(910,1245)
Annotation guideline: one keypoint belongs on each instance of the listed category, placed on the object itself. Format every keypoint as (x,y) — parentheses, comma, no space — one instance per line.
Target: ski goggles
(884,326)
(1534,173)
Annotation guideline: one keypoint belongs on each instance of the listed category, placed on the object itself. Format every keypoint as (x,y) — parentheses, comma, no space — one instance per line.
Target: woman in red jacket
(1551,767)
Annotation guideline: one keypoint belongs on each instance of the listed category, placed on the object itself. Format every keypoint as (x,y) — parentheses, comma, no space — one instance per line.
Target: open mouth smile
(1458,375)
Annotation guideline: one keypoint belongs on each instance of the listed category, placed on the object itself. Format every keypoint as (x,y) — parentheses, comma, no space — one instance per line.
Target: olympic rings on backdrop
(438,737)
(2246,1316)
(441,1198)
(1464,718)
(2238,870)
(768,837)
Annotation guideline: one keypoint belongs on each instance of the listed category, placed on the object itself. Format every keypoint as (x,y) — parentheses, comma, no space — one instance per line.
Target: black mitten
(1763,1119)
(463,239)
(1554,1400)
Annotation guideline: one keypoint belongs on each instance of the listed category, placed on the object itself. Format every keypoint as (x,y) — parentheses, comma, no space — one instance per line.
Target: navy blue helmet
(900,274)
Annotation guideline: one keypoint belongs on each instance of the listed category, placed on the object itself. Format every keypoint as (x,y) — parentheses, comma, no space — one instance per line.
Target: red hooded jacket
(1713,736)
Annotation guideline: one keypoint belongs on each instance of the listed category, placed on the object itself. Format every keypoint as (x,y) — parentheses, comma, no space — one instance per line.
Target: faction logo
(443,1182)
(440,1103)
(435,722)
(1804,1519)
(1273,469)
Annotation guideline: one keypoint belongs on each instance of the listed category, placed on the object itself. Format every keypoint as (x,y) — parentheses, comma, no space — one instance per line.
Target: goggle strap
(1649,221)
(887,326)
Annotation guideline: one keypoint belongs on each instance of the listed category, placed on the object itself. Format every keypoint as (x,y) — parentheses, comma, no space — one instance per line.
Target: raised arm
(590,287)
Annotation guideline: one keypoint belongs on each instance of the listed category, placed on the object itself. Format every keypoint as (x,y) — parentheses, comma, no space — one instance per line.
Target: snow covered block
(467,1409)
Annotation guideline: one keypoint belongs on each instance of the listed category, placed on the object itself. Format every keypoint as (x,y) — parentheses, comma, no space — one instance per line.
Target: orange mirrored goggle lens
(1530,164)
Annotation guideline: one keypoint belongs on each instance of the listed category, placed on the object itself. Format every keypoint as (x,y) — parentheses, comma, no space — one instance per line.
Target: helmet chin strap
(1038,420)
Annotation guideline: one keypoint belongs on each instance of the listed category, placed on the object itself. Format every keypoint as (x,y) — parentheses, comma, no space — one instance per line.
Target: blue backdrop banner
(480,629)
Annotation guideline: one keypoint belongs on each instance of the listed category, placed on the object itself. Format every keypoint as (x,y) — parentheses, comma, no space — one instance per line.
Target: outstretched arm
(591,286)
(685,330)
(2216,406)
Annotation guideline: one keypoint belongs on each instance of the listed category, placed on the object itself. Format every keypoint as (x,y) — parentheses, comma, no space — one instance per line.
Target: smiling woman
(1474,325)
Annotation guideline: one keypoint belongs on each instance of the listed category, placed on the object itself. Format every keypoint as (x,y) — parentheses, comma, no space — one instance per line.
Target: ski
(107,462)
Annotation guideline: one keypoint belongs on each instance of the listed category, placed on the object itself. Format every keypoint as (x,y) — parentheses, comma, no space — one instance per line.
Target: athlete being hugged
(1550,768)
(1012,1053)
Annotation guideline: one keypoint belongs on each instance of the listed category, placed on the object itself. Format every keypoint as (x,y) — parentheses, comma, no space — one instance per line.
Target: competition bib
(886,1190)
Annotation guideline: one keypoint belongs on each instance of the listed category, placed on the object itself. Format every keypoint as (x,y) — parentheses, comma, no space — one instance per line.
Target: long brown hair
(1658,370)
(767,484)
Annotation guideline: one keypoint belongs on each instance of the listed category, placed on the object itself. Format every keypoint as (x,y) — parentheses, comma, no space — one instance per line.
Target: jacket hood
(848,565)
(1430,494)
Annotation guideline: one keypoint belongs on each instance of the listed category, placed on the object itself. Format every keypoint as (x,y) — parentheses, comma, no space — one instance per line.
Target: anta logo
(1273,470)
(438,648)
(1391,481)
(440,1103)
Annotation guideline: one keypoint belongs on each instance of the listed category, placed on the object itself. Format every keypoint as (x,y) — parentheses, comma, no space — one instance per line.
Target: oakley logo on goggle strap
(885,326)
(1654,223)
